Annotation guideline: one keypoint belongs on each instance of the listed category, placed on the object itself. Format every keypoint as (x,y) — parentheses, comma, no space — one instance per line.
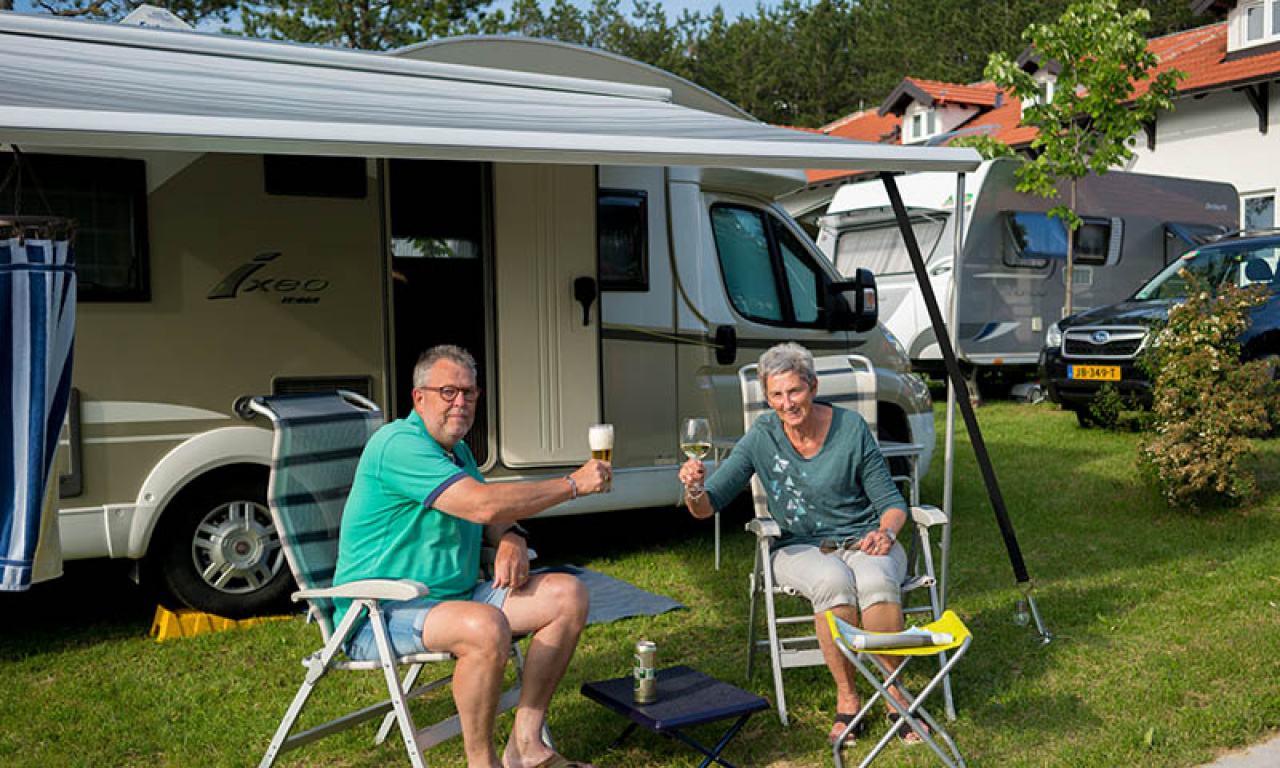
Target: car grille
(1112,342)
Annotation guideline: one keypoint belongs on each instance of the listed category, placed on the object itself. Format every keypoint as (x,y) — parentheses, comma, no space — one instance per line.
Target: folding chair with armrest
(318,442)
(845,381)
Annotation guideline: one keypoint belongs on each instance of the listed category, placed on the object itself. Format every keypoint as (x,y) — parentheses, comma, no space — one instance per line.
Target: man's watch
(889,532)
(518,530)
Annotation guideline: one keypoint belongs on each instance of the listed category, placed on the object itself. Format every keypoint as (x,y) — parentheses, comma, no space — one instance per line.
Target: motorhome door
(548,309)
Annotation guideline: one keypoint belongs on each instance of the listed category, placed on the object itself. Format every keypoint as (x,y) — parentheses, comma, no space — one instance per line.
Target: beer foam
(600,437)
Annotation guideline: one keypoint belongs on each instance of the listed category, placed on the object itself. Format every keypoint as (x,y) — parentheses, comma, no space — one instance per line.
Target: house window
(1275,19)
(917,123)
(107,197)
(1258,211)
(1253,23)
(622,224)
(923,123)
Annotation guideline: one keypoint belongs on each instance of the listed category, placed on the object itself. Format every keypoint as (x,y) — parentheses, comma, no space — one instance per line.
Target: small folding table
(686,698)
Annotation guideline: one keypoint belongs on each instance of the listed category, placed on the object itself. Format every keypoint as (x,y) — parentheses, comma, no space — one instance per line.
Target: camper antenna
(966,407)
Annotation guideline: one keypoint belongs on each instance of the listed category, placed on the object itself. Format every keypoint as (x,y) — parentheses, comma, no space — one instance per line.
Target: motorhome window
(107,197)
(307,176)
(803,283)
(742,244)
(622,229)
(1259,211)
(436,209)
(1035,238)
(881,249)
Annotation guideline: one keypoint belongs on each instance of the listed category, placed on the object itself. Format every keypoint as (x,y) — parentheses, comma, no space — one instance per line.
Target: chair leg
(389,721)
(775,645)
(295,709)
(751,619)
(387,660)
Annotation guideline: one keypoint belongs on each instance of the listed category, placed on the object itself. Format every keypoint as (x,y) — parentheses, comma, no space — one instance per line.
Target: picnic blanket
(613,599)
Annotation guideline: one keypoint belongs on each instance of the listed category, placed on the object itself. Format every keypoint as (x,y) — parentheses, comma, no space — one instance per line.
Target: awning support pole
(957,382)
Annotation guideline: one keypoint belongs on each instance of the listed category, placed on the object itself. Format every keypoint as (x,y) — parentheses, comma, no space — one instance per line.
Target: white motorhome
(258,217)
(1009,282)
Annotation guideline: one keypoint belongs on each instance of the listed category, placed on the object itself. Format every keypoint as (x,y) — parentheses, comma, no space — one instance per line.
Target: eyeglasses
(449,394)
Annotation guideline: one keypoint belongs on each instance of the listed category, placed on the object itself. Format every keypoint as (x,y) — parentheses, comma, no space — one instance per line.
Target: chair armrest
(765,527)
(928,515)
(369,589)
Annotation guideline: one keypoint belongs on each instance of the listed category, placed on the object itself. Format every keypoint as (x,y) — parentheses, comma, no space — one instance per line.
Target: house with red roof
(1218,129)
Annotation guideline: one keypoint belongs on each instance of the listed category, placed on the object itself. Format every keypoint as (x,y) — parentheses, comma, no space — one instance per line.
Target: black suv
(1085,351)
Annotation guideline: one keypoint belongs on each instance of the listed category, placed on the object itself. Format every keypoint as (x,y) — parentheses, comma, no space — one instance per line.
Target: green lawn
(1166,627)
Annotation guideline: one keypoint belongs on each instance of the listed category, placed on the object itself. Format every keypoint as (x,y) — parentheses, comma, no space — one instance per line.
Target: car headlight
(1053,336)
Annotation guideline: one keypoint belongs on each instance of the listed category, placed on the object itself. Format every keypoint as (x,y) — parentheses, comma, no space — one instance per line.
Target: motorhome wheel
(219,552)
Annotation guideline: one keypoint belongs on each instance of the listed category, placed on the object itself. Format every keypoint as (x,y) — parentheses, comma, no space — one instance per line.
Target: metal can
(646,672)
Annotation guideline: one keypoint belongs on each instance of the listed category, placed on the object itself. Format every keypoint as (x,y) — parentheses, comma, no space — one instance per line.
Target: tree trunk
(1071,252)
(6,5)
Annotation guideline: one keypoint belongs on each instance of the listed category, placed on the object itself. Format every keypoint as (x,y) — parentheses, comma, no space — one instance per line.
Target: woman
(831,494)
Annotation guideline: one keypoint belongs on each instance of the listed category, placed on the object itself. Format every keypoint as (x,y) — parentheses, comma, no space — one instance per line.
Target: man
(417,510)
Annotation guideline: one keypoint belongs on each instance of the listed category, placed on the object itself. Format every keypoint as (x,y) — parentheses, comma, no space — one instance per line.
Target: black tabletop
(685,697)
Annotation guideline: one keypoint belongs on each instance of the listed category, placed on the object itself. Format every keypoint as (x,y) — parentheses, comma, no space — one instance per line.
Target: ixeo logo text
(248,278)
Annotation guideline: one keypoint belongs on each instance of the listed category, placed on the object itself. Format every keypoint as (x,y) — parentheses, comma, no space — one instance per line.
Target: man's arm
(501,503)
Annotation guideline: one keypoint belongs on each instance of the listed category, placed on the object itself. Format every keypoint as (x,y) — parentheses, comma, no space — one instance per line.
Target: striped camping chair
(318,441)
(844,381)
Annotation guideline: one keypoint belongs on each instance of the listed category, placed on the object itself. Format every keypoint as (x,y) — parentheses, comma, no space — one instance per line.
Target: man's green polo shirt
(390,530)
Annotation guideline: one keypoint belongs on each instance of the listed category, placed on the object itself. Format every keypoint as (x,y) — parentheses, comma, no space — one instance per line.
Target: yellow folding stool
(949,633)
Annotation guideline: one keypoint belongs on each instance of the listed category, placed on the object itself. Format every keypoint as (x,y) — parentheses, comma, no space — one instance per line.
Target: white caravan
(258,217)
(1011,284)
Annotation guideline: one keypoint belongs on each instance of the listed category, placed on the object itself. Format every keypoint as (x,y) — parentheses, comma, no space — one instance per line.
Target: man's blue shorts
(405,620)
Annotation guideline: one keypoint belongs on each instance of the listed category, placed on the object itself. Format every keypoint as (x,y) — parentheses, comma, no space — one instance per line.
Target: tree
(192,12)
(1106,89)
(372,25)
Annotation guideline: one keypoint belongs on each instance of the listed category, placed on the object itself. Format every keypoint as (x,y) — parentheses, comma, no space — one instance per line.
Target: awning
(90,85)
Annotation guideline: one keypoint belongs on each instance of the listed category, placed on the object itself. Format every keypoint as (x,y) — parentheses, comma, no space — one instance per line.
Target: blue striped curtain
(37,320)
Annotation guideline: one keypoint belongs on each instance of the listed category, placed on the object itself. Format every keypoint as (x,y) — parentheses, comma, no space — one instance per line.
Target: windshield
(1240,264)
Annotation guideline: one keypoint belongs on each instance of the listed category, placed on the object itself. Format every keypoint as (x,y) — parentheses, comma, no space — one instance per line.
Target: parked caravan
(1009,282)
(258,218)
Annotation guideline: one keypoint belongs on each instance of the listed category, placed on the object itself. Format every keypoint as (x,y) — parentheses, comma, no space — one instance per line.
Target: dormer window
(922,125)
(1255,23)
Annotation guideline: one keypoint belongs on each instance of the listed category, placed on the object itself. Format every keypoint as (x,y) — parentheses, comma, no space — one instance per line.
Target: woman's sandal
(844,718)
(906,731)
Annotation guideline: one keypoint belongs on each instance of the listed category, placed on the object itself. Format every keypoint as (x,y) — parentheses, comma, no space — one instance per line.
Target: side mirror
(855,304)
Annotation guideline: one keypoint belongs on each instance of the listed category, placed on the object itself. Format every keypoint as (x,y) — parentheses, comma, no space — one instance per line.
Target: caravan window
(880,248)
(769,274)
(1035,238)
(622,231)
(107,197)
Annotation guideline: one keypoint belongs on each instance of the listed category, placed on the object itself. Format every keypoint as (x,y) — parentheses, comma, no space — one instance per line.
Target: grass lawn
(1166,628)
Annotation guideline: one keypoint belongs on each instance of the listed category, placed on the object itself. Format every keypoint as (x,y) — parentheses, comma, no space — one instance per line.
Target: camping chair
(947,634)
(318,442)
(845,381)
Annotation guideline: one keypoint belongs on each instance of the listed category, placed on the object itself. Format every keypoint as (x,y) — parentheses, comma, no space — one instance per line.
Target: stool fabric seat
(947,637)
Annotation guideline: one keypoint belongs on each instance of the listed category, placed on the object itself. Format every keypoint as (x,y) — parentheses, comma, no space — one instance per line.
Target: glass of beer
(600,438)
(695,442)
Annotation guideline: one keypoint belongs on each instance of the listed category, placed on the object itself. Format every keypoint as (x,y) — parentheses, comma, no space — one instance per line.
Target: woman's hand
(693,472)
(876,543)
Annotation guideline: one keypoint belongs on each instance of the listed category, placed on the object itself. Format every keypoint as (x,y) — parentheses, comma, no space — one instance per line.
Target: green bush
(1112,410)
(1207,403)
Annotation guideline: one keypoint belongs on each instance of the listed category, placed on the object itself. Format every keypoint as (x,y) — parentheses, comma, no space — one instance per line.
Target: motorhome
(257,217)
(1009,282)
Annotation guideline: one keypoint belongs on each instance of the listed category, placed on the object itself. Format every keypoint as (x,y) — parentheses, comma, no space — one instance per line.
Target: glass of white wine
(695,442)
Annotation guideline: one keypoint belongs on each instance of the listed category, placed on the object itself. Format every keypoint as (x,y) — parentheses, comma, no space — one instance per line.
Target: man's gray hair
(787,357)
(450,352)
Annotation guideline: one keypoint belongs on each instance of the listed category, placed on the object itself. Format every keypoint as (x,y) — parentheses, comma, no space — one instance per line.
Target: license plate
(1094,372)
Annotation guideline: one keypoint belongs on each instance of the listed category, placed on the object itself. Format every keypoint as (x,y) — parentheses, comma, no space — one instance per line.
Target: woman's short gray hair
(787,357)
(450,352)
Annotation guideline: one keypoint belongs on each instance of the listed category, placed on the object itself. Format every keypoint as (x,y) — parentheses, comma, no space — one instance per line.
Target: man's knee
(477,629)
(570,596)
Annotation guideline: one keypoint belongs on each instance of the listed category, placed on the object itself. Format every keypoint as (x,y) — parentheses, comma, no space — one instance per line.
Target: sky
(732,8)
